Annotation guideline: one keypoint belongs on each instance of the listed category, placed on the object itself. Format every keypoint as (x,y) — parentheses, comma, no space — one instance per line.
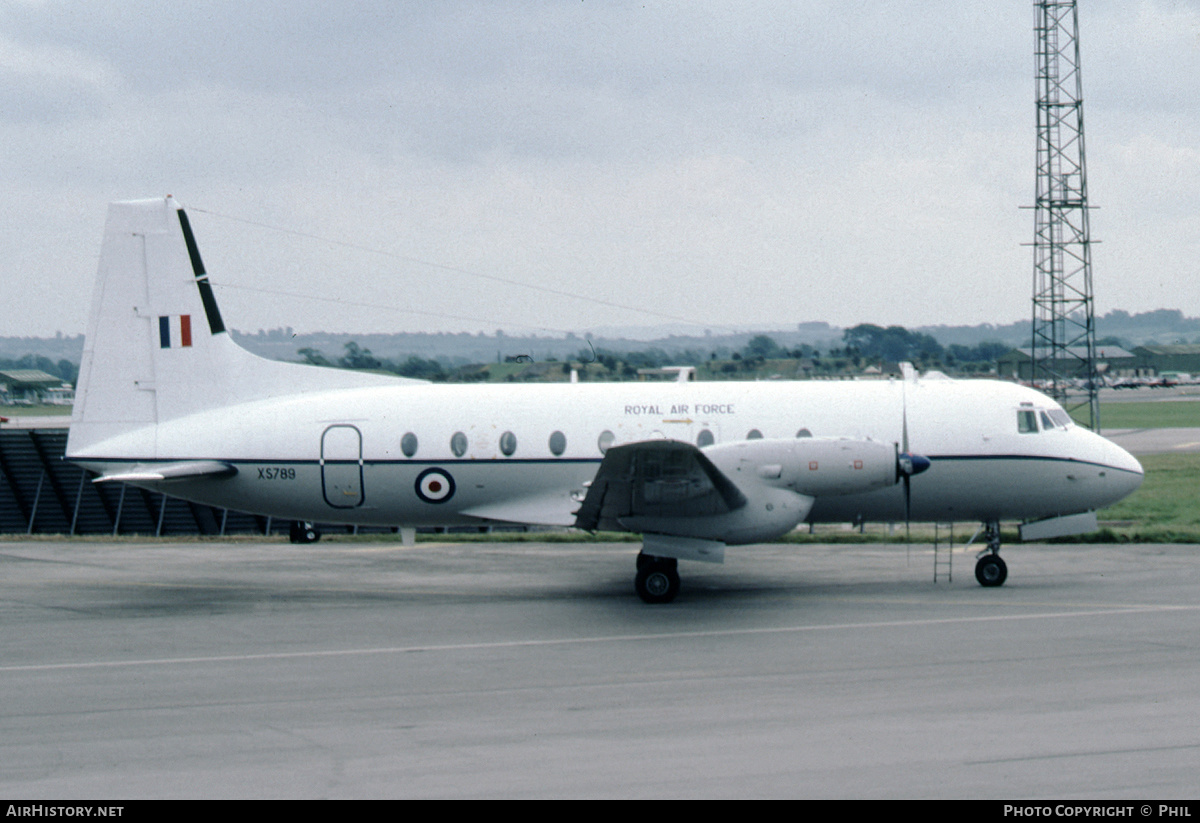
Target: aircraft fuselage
(422,455)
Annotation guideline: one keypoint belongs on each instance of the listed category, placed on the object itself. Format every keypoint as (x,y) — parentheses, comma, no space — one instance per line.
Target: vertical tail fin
(117,389)
(156,346)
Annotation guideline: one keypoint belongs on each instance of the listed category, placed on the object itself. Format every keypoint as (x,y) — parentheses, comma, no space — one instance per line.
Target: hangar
(30,387)
(1156,359)
(1111,361)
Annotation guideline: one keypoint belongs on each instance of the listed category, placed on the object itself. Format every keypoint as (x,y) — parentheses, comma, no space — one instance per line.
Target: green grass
(35,411)
(1150,414)
(1166,509)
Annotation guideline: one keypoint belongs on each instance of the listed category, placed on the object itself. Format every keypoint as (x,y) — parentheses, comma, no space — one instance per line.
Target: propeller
(907,463)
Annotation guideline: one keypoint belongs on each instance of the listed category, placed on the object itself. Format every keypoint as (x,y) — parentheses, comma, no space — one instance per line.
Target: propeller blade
(906,466)
(907,463)
(907,507)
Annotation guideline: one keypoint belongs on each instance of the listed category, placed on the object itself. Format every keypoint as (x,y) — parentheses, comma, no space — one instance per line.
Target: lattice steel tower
(1064,326)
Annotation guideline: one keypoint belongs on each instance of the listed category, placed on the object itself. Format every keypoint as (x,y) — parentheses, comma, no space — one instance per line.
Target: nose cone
(1123,473)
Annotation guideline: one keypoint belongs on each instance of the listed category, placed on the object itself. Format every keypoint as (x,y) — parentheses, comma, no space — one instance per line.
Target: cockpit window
(1055,418)
(1061,418)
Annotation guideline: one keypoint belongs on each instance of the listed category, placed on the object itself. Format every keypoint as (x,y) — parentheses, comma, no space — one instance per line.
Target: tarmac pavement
(261,669)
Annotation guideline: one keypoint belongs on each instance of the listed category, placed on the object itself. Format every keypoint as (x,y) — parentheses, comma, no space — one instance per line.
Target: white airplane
(167,401)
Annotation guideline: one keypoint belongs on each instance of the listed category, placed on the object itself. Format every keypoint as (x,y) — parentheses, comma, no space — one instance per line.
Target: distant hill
(1160,326)
(59,347)
(464,348)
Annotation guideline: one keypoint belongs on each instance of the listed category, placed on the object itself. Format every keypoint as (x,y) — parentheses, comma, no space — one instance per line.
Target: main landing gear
(303,533)
(657,578)
(990,569)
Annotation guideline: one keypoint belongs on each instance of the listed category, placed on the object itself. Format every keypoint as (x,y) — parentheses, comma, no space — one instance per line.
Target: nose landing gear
(990,569)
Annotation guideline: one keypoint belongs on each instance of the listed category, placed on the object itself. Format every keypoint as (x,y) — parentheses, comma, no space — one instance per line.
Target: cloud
(738,163)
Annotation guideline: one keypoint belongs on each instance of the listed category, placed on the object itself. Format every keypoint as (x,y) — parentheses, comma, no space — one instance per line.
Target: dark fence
(40,493)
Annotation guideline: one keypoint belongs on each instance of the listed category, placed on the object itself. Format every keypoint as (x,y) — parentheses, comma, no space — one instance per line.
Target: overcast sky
(410,165)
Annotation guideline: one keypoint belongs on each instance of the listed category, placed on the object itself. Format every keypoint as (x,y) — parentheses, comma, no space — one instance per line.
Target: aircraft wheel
(645,561)
(303,533)
(991,570)
(657,582)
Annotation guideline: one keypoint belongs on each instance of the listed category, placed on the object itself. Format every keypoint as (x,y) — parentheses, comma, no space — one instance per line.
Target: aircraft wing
(157,472)
(658,479)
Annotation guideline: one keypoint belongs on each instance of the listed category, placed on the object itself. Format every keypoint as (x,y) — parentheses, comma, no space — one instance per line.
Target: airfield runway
(262,669)
(1156,441)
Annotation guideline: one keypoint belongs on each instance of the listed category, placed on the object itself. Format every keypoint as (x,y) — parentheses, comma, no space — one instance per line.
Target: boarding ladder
(943,551)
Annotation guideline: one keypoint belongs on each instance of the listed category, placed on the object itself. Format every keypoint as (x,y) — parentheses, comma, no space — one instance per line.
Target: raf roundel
(435,486)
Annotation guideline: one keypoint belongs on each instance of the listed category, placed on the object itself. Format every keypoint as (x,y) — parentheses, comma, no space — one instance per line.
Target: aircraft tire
(657,582)
(645,561)
(991,570)
(303,533)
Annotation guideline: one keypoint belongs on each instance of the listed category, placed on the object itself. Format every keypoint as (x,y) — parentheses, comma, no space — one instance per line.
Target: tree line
(895,344)
(357,357)
(862,346)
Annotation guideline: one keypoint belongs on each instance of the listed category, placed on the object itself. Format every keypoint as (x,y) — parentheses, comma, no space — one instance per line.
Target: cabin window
(754,434)
(704,438)
(508,443)
(408,444)
(605,440)
(558,443)
(458,444)
(1027,422)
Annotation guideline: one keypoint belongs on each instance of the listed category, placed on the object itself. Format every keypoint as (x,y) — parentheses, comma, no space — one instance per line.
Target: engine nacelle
(743,492)
(768,513)
(812,466)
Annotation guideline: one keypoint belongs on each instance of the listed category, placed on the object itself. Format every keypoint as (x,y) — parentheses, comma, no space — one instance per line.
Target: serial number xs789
(276,473)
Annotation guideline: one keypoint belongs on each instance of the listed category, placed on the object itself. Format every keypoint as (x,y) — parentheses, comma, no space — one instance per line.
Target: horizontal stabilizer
(156,473)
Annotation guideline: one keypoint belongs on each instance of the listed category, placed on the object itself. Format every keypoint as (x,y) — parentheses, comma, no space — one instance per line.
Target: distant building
(1111,361)
(31,387)
(678,374)
(1154,360)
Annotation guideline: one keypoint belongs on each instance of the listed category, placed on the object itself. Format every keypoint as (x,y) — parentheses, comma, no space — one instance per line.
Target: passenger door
(342,466)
